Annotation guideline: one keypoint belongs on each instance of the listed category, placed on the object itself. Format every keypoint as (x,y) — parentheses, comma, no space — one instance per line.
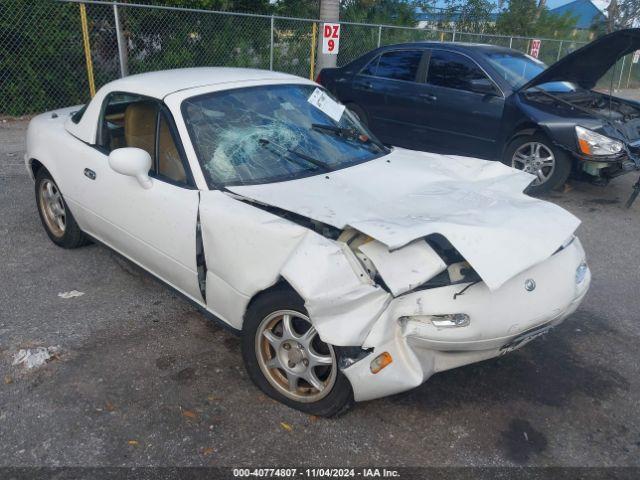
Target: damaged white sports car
(352,271)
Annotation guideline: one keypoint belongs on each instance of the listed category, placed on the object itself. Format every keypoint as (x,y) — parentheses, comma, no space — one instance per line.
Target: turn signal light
(380,362)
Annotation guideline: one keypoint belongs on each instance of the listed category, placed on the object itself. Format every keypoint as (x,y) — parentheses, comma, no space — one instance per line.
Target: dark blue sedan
(496,103)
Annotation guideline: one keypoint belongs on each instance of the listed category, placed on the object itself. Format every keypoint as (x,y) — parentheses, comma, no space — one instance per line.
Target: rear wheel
(287,360)
(55,215)
(536,155)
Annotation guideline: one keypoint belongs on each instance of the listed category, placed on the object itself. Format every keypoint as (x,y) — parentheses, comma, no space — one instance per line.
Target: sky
(550,3)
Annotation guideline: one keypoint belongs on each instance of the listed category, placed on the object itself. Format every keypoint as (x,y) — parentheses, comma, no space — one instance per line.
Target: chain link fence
(43,64)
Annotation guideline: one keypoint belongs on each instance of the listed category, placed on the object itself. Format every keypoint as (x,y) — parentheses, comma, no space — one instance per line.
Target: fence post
(379,34)
(559,51)
(510,41)
(630,68)
(122,46)
(314,35)
(271,47)
(621,70)
(87,49)
(453,38)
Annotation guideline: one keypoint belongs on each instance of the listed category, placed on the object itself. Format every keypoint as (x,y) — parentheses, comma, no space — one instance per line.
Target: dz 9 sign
(535,47)
(330,38)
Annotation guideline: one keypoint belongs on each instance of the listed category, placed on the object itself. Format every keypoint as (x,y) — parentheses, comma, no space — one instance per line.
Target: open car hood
(477,205)
(588,64)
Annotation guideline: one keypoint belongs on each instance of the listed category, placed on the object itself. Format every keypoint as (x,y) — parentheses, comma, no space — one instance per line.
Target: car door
(459,106)
(155,227)
(386,86)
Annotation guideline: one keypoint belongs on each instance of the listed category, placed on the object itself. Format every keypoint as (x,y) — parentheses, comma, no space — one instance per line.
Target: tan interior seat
(140,126)
(139,132)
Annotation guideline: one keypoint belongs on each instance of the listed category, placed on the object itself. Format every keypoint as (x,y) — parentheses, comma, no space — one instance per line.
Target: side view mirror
(483,86)
(133,162)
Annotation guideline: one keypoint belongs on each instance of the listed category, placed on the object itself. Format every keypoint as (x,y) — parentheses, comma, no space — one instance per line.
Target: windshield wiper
(318,163)
(348,133)
(344,132)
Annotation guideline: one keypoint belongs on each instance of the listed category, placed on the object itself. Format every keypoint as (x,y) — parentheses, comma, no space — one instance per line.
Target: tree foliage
(470,15)
(527,18)
(623,14)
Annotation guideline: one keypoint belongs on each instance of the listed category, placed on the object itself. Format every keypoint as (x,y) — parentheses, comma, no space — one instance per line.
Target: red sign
(535,47)
(330,38)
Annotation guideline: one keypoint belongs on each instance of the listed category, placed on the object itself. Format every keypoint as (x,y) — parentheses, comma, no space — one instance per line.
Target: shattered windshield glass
(272,133)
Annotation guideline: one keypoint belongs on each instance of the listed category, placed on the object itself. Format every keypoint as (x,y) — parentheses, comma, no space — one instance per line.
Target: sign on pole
(636,56)
(535,47)
(330,38)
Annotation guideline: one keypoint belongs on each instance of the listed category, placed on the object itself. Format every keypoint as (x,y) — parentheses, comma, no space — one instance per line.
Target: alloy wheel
(292,357)
(52,207)
(535,158)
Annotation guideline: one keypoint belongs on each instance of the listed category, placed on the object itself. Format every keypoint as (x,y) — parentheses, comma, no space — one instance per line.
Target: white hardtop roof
(163,83)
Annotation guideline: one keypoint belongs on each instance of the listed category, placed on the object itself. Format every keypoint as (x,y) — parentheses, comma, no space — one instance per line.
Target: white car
(351,270)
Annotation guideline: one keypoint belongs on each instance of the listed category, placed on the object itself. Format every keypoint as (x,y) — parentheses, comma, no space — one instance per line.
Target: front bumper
(606,167)
(501,320)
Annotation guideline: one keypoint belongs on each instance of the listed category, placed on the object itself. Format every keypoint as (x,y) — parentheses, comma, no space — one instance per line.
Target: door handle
(90,174)
(428,97)
(367,86)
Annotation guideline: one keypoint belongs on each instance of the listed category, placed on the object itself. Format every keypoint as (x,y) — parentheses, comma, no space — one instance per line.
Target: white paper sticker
(326,104)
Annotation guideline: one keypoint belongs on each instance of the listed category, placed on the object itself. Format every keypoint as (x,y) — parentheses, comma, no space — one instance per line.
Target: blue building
(588,12)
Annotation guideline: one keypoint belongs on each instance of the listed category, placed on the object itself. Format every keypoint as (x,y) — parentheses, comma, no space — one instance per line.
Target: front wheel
(536,155)
(287,360)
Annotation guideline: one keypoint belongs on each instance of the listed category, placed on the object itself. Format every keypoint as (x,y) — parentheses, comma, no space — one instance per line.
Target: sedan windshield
(518,68)
(274,132)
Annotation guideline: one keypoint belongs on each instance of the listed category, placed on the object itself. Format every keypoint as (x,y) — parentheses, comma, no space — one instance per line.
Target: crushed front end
(429,330)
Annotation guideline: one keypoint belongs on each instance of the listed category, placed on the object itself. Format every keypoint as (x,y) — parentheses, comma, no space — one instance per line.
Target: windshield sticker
(326,104)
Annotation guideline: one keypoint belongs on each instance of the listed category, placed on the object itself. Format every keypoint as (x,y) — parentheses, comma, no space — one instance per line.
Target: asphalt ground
(143,379)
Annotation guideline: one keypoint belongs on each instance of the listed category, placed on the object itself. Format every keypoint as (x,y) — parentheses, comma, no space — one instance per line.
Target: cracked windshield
(273,133)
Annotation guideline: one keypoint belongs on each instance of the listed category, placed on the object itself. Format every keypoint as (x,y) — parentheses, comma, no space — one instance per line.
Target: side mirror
(483,86)
(133,162)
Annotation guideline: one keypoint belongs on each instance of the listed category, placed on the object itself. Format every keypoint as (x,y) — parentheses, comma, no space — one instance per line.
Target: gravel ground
(143,379)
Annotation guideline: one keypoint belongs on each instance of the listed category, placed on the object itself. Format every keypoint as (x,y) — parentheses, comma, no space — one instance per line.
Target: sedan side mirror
(133,162)
(483,86)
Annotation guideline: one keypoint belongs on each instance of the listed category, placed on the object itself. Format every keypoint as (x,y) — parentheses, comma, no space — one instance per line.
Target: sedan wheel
(293,358)
(535,158)
(52,207)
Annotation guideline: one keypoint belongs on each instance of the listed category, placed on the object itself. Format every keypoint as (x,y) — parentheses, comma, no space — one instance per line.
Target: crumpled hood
(477,205)
(590,63)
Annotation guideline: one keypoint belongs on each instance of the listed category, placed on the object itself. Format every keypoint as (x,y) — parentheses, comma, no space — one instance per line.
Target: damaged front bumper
(609,167)
(495,322)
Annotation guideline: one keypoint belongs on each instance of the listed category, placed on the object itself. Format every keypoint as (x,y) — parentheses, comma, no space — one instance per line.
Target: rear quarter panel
(60,153)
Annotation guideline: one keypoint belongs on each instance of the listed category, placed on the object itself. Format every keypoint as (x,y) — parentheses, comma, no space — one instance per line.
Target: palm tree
(329,12)
(542,4)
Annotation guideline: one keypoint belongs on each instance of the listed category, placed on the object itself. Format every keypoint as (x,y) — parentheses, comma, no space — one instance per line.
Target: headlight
(581,273)
(592,143)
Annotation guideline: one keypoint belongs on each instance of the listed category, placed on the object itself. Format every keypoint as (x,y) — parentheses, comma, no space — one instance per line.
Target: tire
(359,112)
(55,214)
(554,176)
(267,312)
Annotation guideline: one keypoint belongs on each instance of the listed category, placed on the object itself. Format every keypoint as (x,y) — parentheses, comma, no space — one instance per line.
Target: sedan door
(386,88)
(459,106)
(154,227)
